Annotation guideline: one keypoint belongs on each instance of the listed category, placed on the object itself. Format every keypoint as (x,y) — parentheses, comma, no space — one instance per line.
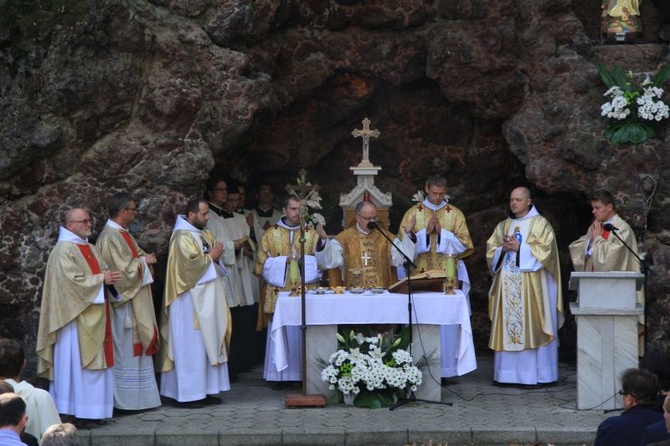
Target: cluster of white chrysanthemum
(650,106)
(617,108)
(363,368)
(647,106)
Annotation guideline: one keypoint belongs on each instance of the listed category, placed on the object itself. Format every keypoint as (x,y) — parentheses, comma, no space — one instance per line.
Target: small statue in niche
(620,20)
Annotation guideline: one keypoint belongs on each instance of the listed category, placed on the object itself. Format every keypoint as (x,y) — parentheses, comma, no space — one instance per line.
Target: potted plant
(372,368)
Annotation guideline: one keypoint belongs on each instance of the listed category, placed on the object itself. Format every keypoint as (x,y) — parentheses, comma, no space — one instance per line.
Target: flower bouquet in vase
(372,368)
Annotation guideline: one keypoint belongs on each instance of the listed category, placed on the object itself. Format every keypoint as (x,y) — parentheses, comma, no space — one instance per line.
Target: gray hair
(61,434)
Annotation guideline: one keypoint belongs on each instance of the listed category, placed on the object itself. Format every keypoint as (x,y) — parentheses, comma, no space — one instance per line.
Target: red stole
(137,346)
(95,269)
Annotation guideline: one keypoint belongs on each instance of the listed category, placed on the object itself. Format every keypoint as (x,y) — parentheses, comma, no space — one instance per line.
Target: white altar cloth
(429,308)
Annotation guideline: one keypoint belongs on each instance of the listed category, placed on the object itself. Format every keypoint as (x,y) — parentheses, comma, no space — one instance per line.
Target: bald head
(519,202)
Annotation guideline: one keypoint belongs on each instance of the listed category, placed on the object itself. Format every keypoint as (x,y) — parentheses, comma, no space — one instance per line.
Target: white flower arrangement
(370,364)
(313,219)
(650,106)
(631,103)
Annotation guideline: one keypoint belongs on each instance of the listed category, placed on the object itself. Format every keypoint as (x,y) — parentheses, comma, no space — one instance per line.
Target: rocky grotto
(152,96)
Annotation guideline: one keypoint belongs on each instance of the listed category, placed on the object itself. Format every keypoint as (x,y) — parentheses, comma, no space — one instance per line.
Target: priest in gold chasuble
(274,265)
(525,299)
(74,339)
(195,321)
(369,252)
(440,229)
(600,250)
(134,324)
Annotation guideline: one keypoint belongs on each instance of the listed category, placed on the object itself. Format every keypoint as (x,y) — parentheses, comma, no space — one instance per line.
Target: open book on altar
(432,280)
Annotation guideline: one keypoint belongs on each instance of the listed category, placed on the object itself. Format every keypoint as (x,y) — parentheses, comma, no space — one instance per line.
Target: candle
(293,271)
(451,267)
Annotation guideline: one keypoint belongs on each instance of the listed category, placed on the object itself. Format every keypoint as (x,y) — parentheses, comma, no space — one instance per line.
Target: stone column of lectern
(607,314)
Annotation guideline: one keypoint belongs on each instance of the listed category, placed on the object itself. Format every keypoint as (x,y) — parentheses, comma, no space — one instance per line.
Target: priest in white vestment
(195,323)
(134,320)
(231,229)
(440,229)
(274,265)
(74,340)
(525,300)
(261,218)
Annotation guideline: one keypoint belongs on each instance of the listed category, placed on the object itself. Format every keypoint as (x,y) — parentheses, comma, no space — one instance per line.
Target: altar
(325,311)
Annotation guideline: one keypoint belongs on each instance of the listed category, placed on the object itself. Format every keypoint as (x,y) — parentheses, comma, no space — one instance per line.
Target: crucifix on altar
(365,189)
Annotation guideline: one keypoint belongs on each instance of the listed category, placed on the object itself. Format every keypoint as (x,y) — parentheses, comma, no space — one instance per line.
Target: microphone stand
(644,267)
(407,264)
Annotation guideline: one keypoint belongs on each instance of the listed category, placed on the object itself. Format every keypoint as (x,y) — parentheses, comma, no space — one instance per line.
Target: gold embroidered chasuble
(369,252)
(519,304)
(118,255)
(69,290)
(278,241)
(187,263)
(451,219)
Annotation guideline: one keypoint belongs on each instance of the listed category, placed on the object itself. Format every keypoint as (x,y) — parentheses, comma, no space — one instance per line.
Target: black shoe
(190,404)
(121,412)
(84,423)
(212,400)
(447,382)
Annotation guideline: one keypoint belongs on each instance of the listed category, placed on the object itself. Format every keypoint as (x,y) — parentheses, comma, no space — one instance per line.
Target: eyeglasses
(86,222)
(375,218)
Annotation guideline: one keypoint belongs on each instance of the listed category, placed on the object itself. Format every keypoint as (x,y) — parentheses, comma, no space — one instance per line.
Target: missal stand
(304,191)
(408,265)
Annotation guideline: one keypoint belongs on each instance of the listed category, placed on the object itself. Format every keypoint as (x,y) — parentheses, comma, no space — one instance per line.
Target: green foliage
(635,132)
(376,399)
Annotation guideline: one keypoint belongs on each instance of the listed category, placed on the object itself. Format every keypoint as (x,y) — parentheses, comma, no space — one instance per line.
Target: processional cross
(366,133)
(303,190)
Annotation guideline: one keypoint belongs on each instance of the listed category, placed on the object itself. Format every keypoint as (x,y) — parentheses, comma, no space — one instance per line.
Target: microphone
(375,225)
(610,227)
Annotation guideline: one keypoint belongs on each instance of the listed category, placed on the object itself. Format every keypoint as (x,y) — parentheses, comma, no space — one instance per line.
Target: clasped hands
(216,252)
(595,230)
(510,243)
(433,225)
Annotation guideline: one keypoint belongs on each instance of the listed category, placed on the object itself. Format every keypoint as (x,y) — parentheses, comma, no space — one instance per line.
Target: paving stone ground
(482,414)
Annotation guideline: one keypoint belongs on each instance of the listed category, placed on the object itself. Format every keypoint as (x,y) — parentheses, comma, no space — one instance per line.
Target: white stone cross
(365,257)
(366,134)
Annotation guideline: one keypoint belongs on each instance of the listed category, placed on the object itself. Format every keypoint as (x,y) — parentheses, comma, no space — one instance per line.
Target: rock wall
(152,96)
